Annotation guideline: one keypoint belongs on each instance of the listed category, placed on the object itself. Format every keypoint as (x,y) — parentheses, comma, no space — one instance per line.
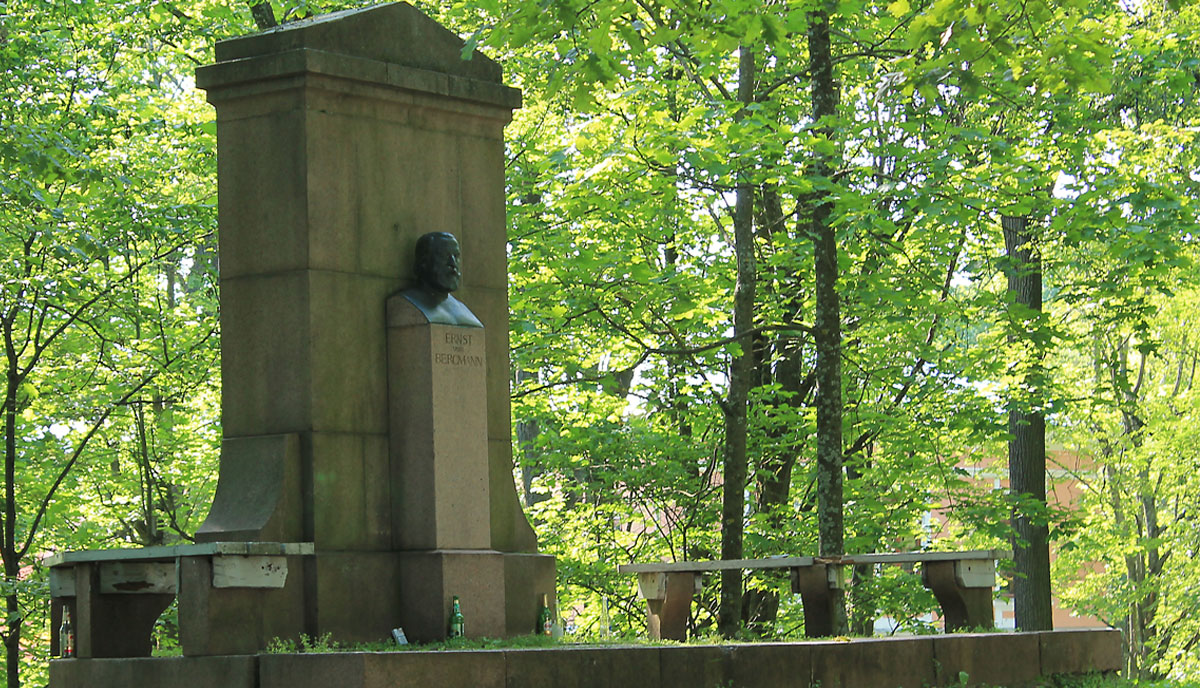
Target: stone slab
(574,669)
(430,579)
(526,578)
(637,666)
(351,505)
(700,666)
(895,663)
(584,667)
(344,670)
(357,595)
(479,162)
(772,665)
(229,621)
(1075,651)
(365,221)
(1008,659)
(348,350)
(265,355)
(477,669)
(157,672)
(262,182)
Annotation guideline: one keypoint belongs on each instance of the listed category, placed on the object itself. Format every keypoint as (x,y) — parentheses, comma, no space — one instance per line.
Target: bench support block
(965,602)
(668,603)
(112,624)
(814,583)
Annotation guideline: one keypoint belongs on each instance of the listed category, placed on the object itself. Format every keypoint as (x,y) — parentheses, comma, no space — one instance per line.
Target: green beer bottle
(458,626)
(545,619)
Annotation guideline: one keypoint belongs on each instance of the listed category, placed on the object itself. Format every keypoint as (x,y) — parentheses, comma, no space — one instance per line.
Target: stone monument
(352,419)
(366,464)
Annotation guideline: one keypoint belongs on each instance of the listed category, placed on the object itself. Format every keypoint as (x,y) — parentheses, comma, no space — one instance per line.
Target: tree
(640,187)
(1135,352)
(741,371)
(107,317)
(1027,443)
(827,326)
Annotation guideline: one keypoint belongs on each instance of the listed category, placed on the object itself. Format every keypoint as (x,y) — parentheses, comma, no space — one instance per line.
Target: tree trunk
(827,326)
(527,433)
(1027,447)
(12,564)
(780,362)
(264,16)
(741,372)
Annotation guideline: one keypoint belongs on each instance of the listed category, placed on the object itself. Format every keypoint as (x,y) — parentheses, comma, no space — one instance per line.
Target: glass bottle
(545,618)
(458,626)
(66,636)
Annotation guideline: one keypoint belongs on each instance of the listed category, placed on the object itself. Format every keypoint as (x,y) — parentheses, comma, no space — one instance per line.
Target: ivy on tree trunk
(827,327)
(1027,444)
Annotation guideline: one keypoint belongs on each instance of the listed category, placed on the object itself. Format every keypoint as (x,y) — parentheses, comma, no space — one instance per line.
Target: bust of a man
(437,269)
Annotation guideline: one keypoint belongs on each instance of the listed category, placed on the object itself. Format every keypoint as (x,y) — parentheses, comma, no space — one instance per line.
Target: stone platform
(995,659)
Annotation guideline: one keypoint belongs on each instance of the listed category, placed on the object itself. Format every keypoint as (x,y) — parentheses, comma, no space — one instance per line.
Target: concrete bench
(233,596)
(962,582)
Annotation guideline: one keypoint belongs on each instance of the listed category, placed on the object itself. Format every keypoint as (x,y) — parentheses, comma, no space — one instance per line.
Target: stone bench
(962,582)
(233,596)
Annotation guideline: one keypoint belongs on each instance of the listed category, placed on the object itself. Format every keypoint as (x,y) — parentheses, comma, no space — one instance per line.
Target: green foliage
(621,171)
(951,114)
(108,308)
(320,644)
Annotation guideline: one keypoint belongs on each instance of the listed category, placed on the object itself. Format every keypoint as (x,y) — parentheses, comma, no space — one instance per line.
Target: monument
(365,409)
(341,140)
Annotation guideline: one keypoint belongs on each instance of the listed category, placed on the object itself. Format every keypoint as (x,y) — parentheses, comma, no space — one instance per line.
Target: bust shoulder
(441,308)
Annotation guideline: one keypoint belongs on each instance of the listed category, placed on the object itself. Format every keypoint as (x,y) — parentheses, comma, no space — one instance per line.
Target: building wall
(1064,468)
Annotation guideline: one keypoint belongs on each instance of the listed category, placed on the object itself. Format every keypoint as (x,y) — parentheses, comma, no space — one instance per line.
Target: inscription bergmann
(458,360)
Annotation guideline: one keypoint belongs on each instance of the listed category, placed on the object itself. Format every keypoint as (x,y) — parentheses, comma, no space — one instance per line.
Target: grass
(1107,681)
(324,643)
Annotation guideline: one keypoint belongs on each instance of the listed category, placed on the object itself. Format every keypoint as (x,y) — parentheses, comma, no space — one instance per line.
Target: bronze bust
(436,265)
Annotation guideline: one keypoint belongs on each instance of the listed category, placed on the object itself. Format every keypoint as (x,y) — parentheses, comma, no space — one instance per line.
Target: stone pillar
(341,139)
(438,409)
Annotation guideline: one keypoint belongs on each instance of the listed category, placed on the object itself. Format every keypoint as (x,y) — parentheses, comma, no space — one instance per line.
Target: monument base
(526,578)
(361,596)
(431,579)
(238,620)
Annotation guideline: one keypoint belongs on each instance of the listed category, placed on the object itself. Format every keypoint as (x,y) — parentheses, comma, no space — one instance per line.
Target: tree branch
(95,427)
